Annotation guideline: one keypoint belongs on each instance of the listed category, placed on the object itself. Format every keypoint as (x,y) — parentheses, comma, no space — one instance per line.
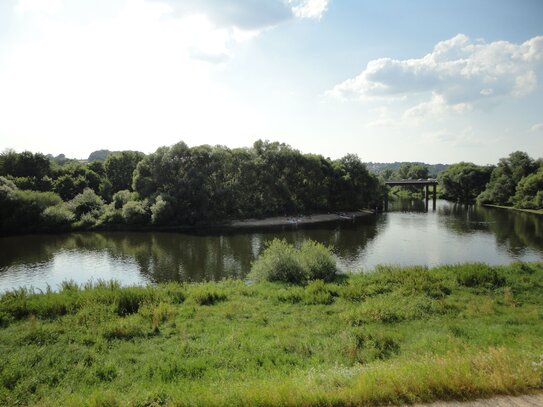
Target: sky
(431,81)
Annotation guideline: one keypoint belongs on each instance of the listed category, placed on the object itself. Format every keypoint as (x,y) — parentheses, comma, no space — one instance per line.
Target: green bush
(318,261)
(529,192)
(87,202)
(121,198)
(161,211)
(135,213)
(57,216)
(281,261)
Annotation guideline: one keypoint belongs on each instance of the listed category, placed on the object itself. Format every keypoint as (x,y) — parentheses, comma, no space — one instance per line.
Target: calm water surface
(407,235)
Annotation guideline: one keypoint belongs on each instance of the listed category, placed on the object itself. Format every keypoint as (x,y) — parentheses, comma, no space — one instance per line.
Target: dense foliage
(181,185)
(463,182)
(508,176)
(399,335)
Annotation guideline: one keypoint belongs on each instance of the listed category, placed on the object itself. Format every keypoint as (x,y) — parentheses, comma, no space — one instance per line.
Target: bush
(280,261)
(87,202)
(121,198)
(135,213)
(57,216)
(529,193)
(318,261)
(161,211)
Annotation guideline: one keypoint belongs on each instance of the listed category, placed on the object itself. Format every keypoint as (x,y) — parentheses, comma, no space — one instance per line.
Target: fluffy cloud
(457,72)
(537,128)
(309,8)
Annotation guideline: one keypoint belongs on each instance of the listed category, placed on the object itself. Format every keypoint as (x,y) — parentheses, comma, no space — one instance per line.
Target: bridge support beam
(426,197)
(434,197)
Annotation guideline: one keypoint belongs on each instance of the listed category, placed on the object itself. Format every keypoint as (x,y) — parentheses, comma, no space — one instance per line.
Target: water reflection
(406,235)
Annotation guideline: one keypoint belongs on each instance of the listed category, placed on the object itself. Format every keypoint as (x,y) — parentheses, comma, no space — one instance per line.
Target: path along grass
(393,336)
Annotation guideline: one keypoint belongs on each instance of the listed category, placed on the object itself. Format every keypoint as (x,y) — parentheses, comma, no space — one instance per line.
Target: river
(406,235)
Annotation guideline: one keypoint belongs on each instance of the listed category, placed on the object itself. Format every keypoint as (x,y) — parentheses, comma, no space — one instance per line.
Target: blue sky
(429,81)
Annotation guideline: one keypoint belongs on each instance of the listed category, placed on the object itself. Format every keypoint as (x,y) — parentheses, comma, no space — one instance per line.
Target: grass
(536,211)
(398,335)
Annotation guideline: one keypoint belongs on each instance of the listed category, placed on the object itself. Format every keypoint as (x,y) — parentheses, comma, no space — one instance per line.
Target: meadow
(396,335)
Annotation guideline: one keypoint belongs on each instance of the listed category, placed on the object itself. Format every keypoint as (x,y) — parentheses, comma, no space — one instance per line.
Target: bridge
(424,183)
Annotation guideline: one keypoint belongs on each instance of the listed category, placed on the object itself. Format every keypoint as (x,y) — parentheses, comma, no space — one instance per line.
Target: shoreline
(250,224)
(532,211)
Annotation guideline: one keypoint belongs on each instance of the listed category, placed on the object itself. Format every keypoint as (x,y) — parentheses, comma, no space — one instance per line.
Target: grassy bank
(397,335)
(512,208)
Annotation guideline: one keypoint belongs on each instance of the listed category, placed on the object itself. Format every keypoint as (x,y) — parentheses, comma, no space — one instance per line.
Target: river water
(406,235)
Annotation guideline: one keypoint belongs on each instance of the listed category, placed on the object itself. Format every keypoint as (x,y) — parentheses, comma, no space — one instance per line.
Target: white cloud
(458,70)
(38,6)
(309,8)
(536,128)
(436,107)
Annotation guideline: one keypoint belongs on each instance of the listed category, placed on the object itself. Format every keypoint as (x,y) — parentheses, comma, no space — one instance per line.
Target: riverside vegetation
(179,185)
(295,333)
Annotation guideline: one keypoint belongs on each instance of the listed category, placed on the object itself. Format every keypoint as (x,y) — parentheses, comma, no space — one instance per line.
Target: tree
(120,168)
(529,192)
(463,182)
(505,177)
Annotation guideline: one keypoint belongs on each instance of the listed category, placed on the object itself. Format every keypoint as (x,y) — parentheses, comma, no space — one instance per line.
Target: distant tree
(463,182)
(99,155)
(529,192)
(68,186)
(97,167)
(25,164)
(505,177)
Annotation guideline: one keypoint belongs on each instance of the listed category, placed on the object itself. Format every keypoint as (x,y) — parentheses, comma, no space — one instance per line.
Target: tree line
(178,185)
(517,180)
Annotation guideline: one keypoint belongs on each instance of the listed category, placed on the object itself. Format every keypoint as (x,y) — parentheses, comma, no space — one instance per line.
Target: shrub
(57,216)
(161,211)
(87,202)
(121,198)
(529,192)
(280,261)
(135,213)
(318,261)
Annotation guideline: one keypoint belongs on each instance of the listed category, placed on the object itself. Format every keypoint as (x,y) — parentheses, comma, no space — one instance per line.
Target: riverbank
(294,221)
(399,335)
(534,211)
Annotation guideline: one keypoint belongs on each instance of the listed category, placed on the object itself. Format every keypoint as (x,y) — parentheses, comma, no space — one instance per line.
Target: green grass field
(398,335)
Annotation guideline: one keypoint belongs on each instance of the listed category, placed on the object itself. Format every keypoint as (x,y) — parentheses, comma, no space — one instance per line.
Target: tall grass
(398,335)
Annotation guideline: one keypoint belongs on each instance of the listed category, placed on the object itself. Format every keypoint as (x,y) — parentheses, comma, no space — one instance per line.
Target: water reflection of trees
(514,231)
(182,257)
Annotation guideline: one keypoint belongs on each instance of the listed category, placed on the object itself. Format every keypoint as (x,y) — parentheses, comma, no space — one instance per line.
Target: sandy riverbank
(296,221)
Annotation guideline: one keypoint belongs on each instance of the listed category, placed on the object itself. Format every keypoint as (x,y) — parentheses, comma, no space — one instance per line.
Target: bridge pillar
(434,197)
